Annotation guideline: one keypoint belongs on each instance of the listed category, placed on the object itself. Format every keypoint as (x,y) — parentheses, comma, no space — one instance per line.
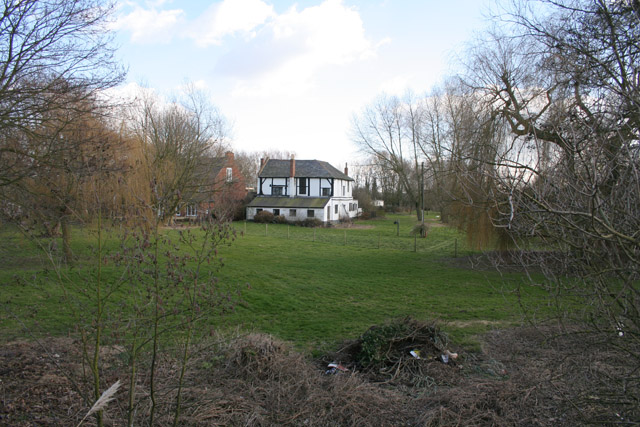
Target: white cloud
(299,44)
(265,53)
(150,25)
(230,17)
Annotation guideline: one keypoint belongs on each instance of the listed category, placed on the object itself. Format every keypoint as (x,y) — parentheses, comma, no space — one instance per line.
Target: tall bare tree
(563,82)
(54,55)
(389,130)
(176,140)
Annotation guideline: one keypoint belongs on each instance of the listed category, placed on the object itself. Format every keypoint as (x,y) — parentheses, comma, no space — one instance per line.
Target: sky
(290,75)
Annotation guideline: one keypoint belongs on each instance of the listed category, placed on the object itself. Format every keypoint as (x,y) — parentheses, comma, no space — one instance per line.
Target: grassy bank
(310,290)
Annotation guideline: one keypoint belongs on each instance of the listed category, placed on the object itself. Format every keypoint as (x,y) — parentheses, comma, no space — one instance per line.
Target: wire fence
(442,242)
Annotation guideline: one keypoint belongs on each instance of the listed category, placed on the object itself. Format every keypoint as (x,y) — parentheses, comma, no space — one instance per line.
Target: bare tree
(564,84)
(249,162)
(390,130)
(54,55)
(176,140)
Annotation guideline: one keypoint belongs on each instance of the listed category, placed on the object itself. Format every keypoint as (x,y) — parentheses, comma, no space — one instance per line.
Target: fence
(441,241)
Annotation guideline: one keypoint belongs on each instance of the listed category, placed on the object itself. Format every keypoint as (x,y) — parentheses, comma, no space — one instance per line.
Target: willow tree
(563,78)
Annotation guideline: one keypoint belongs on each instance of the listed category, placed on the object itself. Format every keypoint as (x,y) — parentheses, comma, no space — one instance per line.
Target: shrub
(280,219)
(420,229)
(263,217)
(310,222)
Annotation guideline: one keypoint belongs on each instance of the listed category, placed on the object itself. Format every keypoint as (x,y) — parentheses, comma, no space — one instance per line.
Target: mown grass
(312,292)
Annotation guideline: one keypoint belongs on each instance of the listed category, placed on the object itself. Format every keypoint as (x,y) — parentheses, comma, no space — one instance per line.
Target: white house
(301,189)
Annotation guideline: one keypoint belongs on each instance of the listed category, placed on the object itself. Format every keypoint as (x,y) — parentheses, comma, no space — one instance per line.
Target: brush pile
(405,352)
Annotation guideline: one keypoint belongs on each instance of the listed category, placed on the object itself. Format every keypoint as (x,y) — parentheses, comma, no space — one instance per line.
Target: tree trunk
(66,239)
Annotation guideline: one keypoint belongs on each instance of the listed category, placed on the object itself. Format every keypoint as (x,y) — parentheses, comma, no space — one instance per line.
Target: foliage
(263,217)
(421,229)
(310,223)
(280,219)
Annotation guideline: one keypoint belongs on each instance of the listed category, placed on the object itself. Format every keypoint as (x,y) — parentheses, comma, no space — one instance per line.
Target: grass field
(312,288)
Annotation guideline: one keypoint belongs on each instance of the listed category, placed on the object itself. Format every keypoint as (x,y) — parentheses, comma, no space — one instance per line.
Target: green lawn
(311,289)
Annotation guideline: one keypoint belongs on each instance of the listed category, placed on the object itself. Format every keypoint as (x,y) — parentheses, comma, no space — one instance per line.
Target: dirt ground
(523,376)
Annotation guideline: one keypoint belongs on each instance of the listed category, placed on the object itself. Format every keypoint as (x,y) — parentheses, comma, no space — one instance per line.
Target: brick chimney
(346,170)
(229,155)
(292,177)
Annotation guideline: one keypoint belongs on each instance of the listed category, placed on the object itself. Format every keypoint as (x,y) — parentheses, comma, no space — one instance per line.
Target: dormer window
(229,174)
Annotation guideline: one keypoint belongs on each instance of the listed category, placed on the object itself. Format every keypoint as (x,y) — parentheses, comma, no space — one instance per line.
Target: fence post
(378,240)
(415,242)
(345,237)
(455,253)
(287,232)
(314,234)
(266,229)
(245,227)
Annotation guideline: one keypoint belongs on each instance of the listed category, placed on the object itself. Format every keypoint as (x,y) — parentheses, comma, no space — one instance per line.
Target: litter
(334,368)
(415,353)
(447,355)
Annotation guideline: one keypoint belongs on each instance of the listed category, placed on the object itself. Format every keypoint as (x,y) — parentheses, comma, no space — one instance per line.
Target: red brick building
(222,194)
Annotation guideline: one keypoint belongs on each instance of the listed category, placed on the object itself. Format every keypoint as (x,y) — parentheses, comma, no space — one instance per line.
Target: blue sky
(290,75)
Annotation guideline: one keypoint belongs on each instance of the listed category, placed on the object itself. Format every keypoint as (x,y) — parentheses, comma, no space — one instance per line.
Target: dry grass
(521,378)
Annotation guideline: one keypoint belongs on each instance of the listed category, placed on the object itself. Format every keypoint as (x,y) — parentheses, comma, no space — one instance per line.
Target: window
(310,213)
(258,210)
(229,174)
(276,212)
(277,190)
(303,186)
(343,193)
(326,192)
(292,212)
(191,210)
(336,209)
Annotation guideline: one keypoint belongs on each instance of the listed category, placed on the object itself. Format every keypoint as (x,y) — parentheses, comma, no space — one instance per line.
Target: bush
(420,230)
(310,222)
(263,217)
(280,219)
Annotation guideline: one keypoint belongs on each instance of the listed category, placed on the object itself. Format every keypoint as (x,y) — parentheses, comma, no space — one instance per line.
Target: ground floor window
(191,210)
(276,212)
(336,209)
(292,212)
(310,213)
(258,210)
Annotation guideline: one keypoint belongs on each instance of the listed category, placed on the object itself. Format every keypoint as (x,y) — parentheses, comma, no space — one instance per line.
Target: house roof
(275,168)
(289,202)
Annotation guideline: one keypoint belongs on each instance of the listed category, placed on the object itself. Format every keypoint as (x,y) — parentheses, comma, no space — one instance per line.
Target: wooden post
(345,237)
(266,229)
(314,234)
(245,227)
(415,243)
(378,240)
(455,253)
